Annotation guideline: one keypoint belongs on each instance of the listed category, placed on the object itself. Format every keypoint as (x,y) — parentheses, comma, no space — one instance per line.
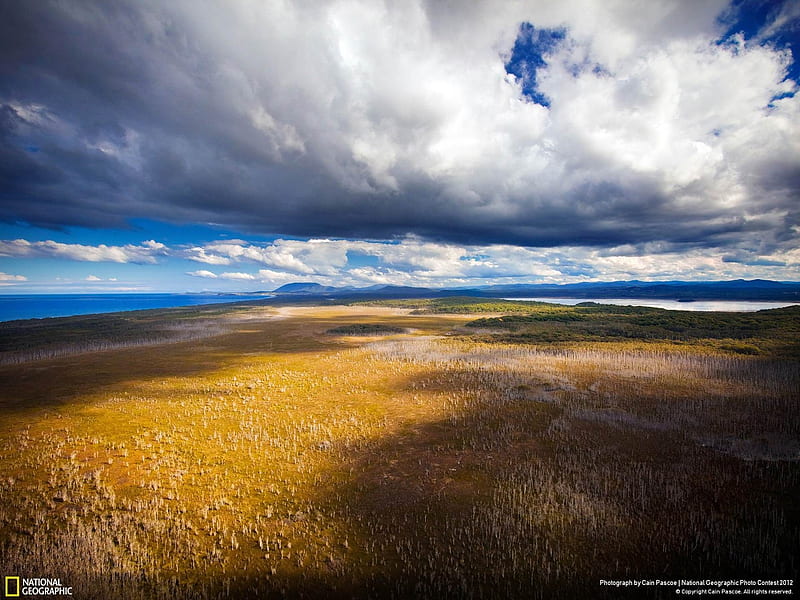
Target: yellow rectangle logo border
(8,594)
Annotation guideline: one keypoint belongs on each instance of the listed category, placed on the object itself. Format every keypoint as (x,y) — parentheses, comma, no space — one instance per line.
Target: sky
(238,145)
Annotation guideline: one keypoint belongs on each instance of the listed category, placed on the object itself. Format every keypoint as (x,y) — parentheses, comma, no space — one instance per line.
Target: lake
(39,306)
(705,305)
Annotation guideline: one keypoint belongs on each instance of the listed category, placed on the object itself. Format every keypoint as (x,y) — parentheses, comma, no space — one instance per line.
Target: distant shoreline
(22,307)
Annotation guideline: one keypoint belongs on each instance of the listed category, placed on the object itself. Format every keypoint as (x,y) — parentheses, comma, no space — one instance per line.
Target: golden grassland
(278,459)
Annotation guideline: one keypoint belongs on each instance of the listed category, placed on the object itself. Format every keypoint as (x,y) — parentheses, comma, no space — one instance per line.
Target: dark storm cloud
(378,121)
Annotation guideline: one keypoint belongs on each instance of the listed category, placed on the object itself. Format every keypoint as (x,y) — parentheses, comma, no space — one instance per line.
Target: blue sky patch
(359,259)
(529,54)
(753,18)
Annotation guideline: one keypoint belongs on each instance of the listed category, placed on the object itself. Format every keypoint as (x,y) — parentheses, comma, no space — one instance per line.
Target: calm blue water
(705,305)
(39,306)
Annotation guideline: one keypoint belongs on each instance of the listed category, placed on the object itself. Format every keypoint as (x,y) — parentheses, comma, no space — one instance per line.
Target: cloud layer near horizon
(383,120)
(413,261)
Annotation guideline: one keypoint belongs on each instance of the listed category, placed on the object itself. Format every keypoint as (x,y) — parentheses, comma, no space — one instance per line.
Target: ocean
(40,306)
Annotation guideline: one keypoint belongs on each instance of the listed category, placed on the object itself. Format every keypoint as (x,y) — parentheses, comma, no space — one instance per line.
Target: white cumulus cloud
(5,277)
(144,253)
(203,273)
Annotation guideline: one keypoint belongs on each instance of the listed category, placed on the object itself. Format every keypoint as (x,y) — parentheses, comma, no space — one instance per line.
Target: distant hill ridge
(305,288)
(315,289)
(739,289)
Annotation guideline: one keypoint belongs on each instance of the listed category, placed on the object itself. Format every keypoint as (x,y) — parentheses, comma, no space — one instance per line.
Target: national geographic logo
(16,587)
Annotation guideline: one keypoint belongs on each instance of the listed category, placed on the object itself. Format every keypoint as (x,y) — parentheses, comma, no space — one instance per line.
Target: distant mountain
(401,291)
(305,288)
(740,289)
(380,291)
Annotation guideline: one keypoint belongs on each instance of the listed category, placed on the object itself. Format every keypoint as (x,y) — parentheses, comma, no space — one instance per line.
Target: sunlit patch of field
(280,458)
